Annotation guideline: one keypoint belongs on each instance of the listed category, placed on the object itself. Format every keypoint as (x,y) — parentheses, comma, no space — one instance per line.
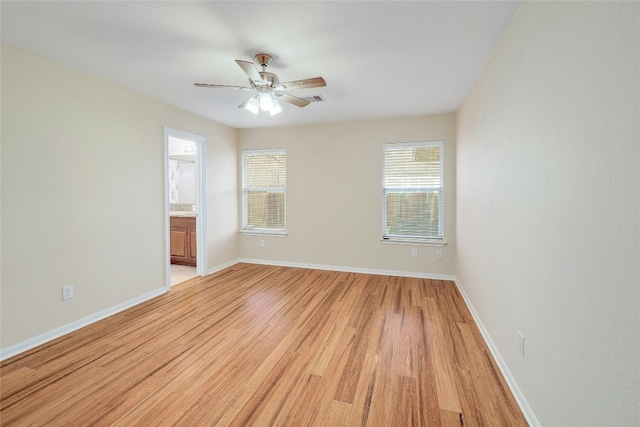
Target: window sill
(276,233)
(413,242)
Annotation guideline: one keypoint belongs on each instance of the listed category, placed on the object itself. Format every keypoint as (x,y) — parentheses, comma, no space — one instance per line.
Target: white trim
(261,232)
(201,206)
(411,242)
(167,219)
(511,382)
(73,326)
(223,266)
(201,201)
(349,269)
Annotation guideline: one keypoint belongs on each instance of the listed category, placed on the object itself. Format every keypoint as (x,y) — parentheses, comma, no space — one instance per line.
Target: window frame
(406,238)
(245,191)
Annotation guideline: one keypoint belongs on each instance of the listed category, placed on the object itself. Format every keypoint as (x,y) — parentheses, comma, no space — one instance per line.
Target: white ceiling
(380,59)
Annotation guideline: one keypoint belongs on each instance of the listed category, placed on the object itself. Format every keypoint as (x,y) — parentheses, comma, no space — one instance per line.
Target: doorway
(185,206)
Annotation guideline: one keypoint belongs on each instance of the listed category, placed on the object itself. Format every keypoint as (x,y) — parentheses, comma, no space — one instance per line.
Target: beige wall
(334,195)
(83,194)
(548,207)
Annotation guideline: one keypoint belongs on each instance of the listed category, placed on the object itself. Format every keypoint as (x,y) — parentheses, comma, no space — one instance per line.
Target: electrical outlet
(439,254)
(521,344)
(67,292)
(262,243)
(414,252)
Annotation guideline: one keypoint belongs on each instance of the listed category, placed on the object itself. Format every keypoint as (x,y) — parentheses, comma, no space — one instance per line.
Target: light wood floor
(262,345)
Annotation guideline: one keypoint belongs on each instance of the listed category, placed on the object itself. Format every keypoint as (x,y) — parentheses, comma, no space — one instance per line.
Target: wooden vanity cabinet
(183,240)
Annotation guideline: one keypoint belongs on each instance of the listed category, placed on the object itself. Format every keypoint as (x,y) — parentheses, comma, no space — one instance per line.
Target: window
(264,175)
(412,191)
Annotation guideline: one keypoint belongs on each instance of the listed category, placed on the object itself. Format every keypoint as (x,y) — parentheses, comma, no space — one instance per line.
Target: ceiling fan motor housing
(263,59)
(269,78)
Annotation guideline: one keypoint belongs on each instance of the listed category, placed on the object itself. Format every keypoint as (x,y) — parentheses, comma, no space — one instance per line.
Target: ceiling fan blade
(222,86)
(291,99)
(250,69)
(304,83)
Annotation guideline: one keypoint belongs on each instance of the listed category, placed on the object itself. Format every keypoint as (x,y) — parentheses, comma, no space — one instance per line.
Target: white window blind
(264,176)
(412,191)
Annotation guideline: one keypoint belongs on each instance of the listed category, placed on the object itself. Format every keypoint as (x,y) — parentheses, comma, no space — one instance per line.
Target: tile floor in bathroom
(180,273)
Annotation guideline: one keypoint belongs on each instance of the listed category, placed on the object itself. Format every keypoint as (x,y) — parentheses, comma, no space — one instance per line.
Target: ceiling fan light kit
(268,88)
(251,104)
(275,109)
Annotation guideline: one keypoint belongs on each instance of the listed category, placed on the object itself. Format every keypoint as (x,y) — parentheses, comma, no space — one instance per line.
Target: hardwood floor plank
(351,372)
(427,390)
(451,419)
(409,338)
(264,402)
(360,410)
(326,351)
(301,412)
(407,408)
(44,404)
(439,336)
(36,390)
(382,407)
(337,415)
(273,346)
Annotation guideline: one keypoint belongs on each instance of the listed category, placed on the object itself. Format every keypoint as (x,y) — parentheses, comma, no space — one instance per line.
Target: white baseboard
(513,386)
(223,266)
(349,269)
(73,326)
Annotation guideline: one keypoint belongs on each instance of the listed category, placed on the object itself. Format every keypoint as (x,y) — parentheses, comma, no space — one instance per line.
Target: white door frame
(201,201)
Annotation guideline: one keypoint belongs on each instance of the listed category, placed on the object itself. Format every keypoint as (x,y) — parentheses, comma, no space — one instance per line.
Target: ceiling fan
(268,88)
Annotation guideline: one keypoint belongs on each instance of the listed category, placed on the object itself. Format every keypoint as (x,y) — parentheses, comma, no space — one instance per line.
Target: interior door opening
(184,206)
